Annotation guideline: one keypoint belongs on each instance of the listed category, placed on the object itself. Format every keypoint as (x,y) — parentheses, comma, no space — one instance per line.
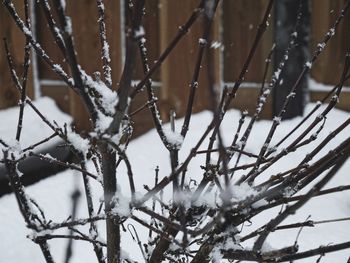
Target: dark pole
(286,12)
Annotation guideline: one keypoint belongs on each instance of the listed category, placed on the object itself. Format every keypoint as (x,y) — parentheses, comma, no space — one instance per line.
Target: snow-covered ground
(145,153)
(33,128)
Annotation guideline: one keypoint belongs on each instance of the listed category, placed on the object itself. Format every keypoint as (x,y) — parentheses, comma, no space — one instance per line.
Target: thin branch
(291,209)
(203,42)
(107,71)
(67,165)
(314,252)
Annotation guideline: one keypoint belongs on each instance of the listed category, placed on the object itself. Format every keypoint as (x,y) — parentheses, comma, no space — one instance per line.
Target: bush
(203,218)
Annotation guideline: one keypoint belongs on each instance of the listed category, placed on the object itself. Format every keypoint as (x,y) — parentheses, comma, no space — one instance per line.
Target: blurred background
(233,32)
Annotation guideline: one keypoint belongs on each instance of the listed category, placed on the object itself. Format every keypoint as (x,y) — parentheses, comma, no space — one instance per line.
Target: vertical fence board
(88,47)
(8,93)
(47,41)
(59,94)
(240,21)
(177,70)
(150,23)
(329,67)
(151,27)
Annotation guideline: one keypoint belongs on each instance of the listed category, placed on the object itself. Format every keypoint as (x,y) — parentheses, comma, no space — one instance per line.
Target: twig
(107,71)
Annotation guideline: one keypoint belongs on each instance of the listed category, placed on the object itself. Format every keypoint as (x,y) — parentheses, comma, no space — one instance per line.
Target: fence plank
(150,23)
(177,70)
(47,41)
(329,67)
(85,28)
(240,21)
(8,93)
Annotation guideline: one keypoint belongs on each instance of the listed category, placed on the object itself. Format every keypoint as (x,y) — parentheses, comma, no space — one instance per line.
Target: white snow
(215,44)
(316,86)
(308,64)
(58,69)
(27,31)
(277,73)
(145,154)
(68,27)
(79,143)
(277,119)
(103,121)
(122,204)
(202,41)
(108,99)
(140,32)
(63,4)
(106,51)
(34,129)
(241,192)
(174,138)
(321,46)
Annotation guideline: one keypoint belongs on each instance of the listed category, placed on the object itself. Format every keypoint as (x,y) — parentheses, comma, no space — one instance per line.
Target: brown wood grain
(343,103)
(329,67)
(60,94)
(143,119)
(151,27)
(177,70)
(8,93)
(240,21)
(47,41)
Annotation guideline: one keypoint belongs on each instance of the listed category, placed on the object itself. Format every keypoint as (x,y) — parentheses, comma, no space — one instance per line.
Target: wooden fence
(233,31)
